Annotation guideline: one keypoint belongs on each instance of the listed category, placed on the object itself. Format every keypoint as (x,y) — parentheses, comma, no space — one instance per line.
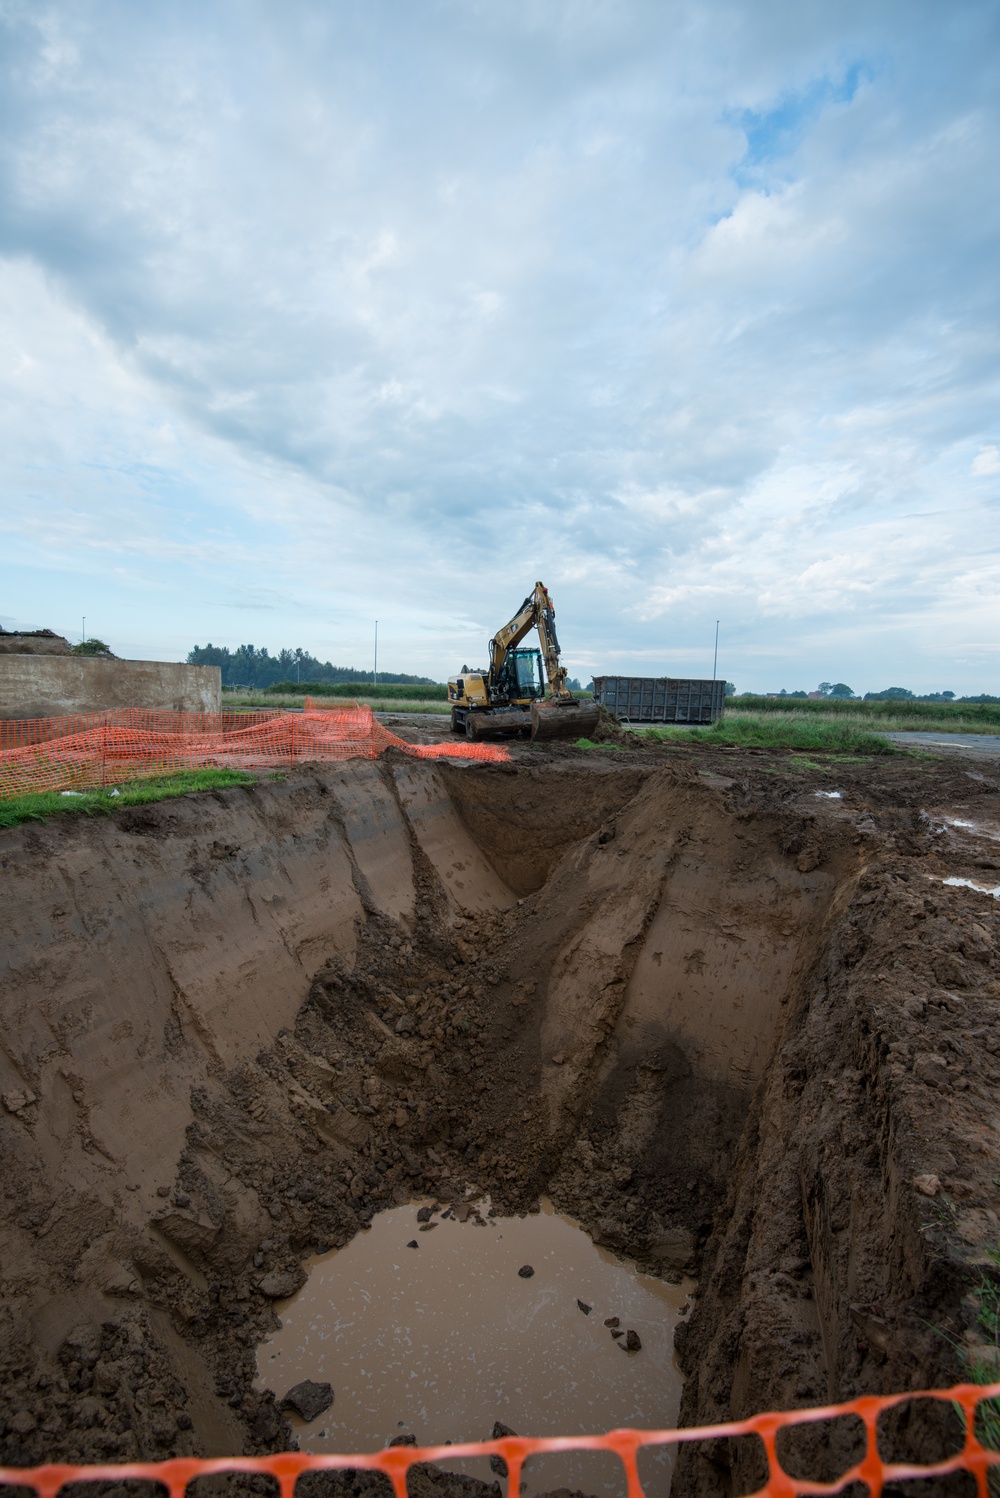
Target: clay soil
(733,1023)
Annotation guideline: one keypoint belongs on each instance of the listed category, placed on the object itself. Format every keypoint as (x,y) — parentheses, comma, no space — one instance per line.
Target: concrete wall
(48,686)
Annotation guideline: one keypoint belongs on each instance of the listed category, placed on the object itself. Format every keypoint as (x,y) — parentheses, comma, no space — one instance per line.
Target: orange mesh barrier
(97,749)
(395,1461)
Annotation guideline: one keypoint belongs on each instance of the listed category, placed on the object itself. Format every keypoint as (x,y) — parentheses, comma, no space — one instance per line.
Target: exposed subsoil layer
(734,1026)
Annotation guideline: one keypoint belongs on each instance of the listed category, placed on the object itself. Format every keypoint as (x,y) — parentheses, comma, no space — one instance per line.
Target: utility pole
(375,679)
(83,629)
(715,659)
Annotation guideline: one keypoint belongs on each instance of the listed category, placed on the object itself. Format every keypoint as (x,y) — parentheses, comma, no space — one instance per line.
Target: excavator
(508,700)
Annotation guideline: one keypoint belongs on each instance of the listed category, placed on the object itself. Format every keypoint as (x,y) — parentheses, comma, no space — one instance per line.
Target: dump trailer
(507,699)
(661,699)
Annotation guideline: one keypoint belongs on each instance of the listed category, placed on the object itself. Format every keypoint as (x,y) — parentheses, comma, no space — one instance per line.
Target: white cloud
(689,310)
(986,463)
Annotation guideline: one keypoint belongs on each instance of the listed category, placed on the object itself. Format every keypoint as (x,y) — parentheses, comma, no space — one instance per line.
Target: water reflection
(441,1340)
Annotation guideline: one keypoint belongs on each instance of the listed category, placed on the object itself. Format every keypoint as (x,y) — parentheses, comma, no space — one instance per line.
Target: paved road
(956,743)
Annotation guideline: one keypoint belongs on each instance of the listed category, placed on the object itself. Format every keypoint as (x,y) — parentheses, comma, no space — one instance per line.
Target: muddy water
(441,1340)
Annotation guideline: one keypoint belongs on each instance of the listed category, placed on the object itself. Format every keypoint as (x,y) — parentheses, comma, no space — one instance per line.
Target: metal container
(660,699)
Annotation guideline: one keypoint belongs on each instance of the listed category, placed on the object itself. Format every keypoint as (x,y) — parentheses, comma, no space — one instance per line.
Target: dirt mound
(726,1020)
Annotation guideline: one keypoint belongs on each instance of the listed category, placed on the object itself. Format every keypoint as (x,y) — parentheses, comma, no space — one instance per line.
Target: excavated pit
(723,1023)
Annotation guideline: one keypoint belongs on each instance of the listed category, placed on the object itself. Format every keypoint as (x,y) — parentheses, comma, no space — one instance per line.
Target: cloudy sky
(325,312)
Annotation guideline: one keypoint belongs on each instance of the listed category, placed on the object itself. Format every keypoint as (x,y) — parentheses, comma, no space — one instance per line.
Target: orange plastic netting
(395,1461)
(98,749)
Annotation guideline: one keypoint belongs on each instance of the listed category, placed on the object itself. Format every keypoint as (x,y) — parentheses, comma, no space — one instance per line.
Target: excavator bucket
(563,720)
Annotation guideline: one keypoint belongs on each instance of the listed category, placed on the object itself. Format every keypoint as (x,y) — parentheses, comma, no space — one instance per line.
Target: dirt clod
(308,1399)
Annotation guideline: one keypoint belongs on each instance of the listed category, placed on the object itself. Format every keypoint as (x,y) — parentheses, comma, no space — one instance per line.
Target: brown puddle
(442,1340)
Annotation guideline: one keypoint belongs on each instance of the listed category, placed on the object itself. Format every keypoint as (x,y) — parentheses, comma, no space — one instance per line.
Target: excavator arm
(536,612)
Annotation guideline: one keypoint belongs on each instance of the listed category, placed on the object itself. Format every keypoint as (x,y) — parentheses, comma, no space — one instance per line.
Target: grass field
(788,730)
(379,704)
(887,717)
(42,805)
(390,690)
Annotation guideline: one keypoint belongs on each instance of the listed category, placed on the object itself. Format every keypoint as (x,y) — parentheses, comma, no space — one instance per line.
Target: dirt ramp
(651,976)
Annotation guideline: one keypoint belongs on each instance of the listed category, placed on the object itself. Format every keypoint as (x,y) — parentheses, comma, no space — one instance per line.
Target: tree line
(253,666)
(839,691)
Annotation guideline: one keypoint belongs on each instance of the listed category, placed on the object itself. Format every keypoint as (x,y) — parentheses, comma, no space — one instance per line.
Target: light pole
(375,675)
(83,629)
(715,658)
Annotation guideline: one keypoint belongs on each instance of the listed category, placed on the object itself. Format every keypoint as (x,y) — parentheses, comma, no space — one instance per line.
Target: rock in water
(425,1214)
(632,1343)
(617,1334)
(584,1307)
(281,1283)
(526,1271)
(308,1399)
(497,1463)
(413,1243)
(613,1321)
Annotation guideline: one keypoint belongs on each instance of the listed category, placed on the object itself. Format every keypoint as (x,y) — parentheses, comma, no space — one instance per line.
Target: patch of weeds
(787,730)
(104,801)
(589,744)
(983,1369)
(278,775)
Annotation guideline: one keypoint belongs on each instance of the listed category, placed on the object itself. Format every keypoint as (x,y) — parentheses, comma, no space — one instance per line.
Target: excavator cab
(522,677)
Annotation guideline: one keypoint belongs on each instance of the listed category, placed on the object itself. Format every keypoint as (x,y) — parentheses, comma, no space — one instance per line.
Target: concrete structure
(49,686)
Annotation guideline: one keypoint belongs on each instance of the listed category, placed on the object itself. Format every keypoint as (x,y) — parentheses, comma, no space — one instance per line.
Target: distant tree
(826,687)
(798,694)
(93,646)
(573,684)
(840,690)
(937,697)
(730,689)
(891,694)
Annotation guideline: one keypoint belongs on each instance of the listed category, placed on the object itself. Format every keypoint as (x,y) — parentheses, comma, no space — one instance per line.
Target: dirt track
(723,1019)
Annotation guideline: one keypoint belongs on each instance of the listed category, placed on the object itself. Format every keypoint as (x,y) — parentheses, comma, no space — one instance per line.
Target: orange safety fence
(395,1461)
(98,749)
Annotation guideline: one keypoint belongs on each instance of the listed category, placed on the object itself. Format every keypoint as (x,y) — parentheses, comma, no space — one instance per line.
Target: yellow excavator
(508,700)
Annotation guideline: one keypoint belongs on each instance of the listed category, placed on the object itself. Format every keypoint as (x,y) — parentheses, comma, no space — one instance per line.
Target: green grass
(41,805)
(891,717)
(390,690)
(788,730)
(987,1371)
(291,699)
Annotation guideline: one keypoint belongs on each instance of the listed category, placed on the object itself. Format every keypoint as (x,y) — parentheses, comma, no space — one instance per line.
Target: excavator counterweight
(508,699)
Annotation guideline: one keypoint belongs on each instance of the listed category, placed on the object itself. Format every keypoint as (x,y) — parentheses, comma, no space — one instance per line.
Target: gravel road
(955,743)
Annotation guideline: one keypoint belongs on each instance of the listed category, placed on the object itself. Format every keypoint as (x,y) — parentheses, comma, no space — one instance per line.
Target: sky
(323,313)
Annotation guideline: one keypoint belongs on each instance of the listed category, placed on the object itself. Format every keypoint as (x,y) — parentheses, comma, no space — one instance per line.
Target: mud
(425,1324)
(733,1026)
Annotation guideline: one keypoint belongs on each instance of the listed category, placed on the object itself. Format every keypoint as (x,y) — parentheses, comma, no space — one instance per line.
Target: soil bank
(734,1026)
